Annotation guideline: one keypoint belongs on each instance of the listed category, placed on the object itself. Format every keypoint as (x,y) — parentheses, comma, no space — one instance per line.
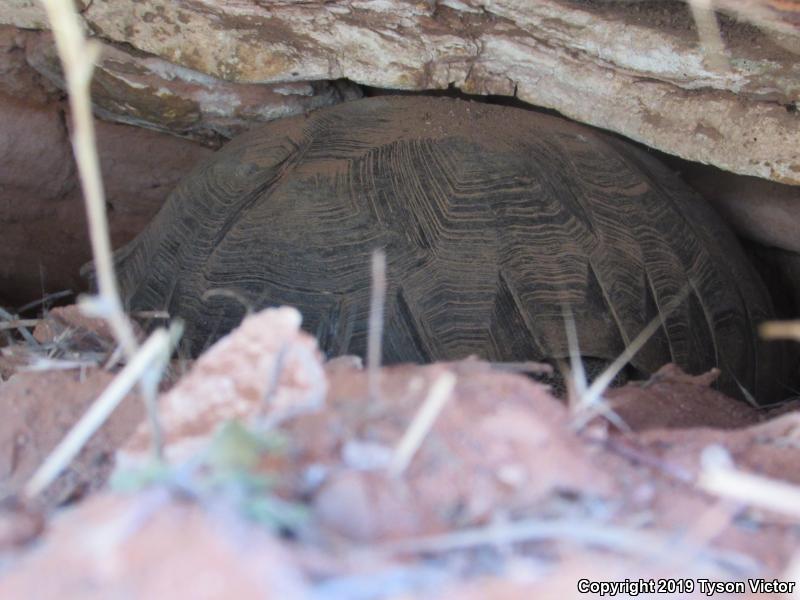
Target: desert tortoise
(493,219)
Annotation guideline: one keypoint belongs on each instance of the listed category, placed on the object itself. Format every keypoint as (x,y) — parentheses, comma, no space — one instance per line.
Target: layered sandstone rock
(632,67)
(137,89)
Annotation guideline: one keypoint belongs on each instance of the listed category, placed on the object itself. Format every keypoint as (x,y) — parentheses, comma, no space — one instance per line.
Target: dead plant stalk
(590,401)
(17,323)
(752,489)
(78,56)
(21,329)
(780,330)
(708,31)
(590,533)
(156,347)
(423,421)
(375,334)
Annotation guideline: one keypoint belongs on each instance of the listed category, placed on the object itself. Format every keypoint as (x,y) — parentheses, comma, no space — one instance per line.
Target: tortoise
(493,220)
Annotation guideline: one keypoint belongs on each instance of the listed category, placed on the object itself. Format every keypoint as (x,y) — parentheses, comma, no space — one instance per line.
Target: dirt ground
(287,477)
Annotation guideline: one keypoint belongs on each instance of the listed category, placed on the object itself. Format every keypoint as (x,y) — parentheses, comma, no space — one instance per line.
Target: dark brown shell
(493,219)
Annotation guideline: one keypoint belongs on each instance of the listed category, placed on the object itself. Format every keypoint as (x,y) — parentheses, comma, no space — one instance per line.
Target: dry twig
(590,403)
(708,31)
(375,335)
(720,477)
(17,323)
(45,300)
(9,318)
(780,330)
(78,56)
(439,394)
(633,542)
(156,347)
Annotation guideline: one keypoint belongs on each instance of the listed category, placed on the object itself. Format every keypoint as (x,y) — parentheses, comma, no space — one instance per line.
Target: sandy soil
(317,491)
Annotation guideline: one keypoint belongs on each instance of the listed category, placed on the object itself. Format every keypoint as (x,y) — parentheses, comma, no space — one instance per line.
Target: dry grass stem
(156,347)
(375,335)
(577,374)
(709,33)
(620,539)
(55,364)
(17,323)
(439,394)
(748,397)
(148,385)
(274,380)
(26,335)
(780,330)
(45,299)
(595,391)
(78,57)
(753,490)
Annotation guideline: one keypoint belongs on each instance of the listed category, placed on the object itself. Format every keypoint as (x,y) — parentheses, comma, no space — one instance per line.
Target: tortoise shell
(493,220)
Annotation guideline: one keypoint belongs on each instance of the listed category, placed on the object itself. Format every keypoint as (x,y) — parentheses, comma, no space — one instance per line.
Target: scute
(493,220)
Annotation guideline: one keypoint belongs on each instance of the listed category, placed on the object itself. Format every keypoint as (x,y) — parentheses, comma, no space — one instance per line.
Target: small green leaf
(136,479)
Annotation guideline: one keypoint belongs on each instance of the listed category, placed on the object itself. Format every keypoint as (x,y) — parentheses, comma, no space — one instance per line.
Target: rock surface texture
(137,89)
(634,68)
(44,240)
